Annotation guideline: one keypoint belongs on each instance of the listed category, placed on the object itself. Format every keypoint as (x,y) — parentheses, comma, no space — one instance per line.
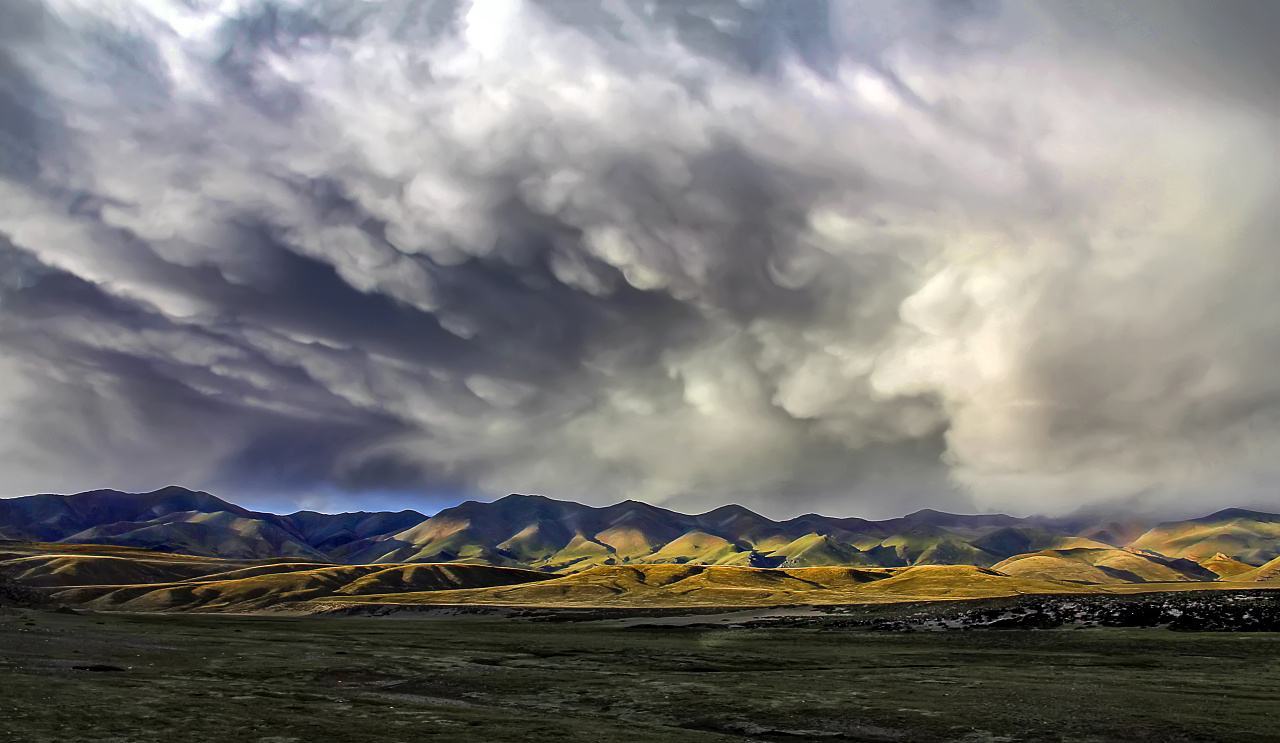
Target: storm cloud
(858,258)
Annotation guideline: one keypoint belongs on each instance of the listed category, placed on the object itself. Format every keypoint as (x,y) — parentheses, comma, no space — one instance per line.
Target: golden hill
(87,570)
(710,586)
(817,550)
(697,547)
(661,585)
(1269,571)
(540,533)
(1249,536)
(1049,566)
(263,590)
(45,565)
(1103,565)
(123,579)
(925,582)
(1226,567)
(9,550)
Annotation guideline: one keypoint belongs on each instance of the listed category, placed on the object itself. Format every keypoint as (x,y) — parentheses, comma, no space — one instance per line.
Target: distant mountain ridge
(536,532)
(175,519)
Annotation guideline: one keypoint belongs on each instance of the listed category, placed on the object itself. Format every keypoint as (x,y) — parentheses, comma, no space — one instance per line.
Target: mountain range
(540,533)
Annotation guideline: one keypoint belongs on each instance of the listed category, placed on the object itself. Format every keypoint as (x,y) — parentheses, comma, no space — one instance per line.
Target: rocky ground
(1186,611)
(1191,611)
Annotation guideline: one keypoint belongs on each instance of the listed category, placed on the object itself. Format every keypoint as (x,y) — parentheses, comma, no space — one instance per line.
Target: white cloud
(997,251)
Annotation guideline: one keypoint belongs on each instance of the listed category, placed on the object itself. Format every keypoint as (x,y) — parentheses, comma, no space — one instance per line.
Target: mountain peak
(733,513)
(929,516)
(942,518)
(730,509)
(1228,514)
(538,531)
(518,497)
(175,490)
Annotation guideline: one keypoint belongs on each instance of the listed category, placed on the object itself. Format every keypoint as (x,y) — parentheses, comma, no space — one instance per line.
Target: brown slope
(1249,536)
(258,592)
(23,549)
(84,570)
(1226,567)
(925,582)
(1104,565)
(708,586)
(661,585)
(1048,566)
(817,550)
(698,547)
(220,534)
(1268,572)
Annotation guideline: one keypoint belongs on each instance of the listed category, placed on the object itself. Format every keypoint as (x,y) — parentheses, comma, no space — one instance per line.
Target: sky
(856,257)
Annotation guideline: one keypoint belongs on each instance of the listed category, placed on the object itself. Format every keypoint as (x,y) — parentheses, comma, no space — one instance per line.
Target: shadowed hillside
(1225,566)
(273,589)
(722,586)
(538,533)
(111,578)
(1250,536)
(1268,572)
(1104,565)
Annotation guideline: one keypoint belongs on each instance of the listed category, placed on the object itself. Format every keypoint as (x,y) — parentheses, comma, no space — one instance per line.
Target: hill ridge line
(544,533)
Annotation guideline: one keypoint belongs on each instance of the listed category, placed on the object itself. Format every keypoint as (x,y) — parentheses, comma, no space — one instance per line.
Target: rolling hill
(539,533)
(112,578)
(175,519)
(173,583)
(1104,565)
(1250,536)
(1264,573)
(658,585)
(1226,567)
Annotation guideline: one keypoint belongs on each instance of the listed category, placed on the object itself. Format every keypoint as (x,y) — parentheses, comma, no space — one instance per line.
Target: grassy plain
(461,679)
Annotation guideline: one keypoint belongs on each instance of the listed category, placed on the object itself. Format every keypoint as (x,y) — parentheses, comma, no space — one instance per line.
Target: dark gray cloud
(858,257)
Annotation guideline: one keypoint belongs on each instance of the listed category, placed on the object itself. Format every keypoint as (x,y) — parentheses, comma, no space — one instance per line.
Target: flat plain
(186,677)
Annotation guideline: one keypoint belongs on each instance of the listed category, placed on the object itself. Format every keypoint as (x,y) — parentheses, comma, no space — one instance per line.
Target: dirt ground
(167,678)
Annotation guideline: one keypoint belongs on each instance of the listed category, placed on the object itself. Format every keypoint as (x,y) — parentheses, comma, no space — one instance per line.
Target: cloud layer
(857,258)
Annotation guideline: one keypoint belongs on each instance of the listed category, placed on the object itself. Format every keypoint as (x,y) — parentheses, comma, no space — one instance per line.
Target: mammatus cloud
(856,258)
